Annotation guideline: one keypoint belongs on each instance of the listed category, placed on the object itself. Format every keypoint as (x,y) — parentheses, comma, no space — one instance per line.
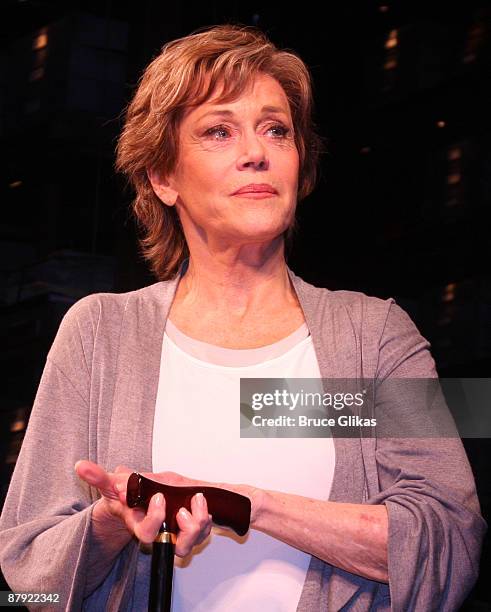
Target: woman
(219,145)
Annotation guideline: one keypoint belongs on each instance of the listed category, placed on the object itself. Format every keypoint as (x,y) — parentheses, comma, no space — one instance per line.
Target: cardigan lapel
(319,312)
(138,374)
(325,582)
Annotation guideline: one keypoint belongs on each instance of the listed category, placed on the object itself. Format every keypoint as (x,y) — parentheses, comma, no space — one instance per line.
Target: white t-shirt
(196,433)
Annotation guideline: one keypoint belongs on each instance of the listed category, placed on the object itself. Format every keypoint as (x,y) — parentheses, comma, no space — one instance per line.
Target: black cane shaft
(160,596)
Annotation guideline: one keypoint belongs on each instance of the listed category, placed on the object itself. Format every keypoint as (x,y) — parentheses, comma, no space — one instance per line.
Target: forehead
(262,91)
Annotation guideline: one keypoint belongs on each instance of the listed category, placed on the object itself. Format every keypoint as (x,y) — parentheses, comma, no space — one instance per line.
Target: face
(224,147)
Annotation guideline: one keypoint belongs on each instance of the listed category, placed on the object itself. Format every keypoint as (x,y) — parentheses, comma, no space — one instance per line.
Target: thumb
(95,476)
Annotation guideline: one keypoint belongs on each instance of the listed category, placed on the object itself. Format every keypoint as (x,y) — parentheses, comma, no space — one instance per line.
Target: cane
(227,508)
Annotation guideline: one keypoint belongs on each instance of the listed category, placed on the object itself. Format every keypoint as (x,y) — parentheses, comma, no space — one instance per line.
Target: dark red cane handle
(226,507)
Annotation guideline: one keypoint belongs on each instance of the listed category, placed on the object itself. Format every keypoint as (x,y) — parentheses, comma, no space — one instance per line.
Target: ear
(162,187)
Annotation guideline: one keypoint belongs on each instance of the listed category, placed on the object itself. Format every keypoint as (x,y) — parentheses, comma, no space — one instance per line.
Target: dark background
(402,93)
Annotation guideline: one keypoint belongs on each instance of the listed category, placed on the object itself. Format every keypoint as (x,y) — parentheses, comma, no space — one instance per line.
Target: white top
(198,400)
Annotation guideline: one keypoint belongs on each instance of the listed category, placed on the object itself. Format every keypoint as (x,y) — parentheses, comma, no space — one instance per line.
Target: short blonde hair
(185,74)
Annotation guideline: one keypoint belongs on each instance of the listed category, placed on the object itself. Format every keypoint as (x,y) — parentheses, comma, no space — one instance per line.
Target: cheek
(291,168)
(199,179)
(207,174)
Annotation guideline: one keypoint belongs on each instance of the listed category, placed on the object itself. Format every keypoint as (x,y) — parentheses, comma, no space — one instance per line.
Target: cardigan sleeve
(435,525)
(45,525)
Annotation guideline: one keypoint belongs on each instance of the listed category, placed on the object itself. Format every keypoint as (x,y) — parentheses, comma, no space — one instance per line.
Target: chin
(262,233)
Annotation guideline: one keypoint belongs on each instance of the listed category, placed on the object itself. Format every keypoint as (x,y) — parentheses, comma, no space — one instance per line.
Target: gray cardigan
(96,400)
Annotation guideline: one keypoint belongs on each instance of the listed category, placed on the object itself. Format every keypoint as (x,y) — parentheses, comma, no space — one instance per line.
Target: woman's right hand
(111,510)
(111,513)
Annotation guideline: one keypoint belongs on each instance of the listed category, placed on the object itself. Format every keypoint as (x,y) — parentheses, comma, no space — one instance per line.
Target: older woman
(219,145)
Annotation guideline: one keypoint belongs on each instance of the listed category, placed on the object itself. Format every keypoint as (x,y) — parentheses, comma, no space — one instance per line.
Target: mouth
(255,195)
(253,188)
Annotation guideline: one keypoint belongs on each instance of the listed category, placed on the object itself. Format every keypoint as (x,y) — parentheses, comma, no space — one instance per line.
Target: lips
(256,188)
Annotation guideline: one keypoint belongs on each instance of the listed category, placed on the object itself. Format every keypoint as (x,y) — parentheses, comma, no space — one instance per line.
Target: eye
(282,130)
(217,130)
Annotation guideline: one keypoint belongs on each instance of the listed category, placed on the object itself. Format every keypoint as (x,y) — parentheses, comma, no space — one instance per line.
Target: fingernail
(158,499)
(184,513)
(119,486)
(200,499)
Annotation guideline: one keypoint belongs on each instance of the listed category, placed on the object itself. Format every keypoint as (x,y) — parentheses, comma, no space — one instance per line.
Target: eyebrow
(229,113)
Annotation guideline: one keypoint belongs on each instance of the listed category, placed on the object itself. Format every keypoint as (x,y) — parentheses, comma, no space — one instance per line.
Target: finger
(193,530)
(132,517)
(147,527)
(199,508)
(188,534)
(175,479)
(191,533)
(171,478)
(205,531)
(96,476)
(92,473)
(120,488)
(120,482)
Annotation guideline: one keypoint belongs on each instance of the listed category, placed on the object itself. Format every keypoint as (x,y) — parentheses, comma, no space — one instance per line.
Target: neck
(238,284)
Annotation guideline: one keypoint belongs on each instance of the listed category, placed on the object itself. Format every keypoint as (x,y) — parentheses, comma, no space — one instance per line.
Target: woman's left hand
(177,480)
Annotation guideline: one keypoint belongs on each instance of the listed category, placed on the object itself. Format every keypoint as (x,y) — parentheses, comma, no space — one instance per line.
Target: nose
(253,153)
